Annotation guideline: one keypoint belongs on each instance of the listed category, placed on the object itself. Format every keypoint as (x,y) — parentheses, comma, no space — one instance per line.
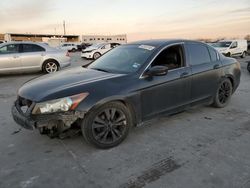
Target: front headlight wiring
(59,105)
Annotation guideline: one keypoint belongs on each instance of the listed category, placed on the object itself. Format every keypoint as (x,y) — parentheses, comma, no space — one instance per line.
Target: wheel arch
(48,60)
(231,78)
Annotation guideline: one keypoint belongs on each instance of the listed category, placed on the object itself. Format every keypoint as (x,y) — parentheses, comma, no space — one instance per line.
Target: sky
(139,19)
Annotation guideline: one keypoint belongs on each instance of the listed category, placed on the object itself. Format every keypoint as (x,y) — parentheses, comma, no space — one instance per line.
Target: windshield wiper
(98,69)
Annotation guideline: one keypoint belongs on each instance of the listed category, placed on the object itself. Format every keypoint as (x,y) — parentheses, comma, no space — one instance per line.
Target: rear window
(213,54)
(198,54)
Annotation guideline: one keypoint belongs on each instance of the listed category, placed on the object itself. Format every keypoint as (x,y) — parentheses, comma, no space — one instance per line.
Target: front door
(167,92)
(10,58)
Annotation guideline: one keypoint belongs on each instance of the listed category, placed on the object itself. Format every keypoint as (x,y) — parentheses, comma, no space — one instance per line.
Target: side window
(32,48)
(171,57)
(234,45)
(9,49)
(198,54)
(213,54)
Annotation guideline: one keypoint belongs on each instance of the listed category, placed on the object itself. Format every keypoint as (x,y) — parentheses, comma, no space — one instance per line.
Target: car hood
(61,84)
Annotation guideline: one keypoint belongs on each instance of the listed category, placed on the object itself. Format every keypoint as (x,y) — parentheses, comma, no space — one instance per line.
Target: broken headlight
(59,105)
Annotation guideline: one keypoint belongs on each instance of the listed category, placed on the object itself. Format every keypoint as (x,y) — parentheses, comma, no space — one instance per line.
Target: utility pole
(64,28)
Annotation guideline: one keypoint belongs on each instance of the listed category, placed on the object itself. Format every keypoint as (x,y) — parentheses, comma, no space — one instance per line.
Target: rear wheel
(223,94)
(50,66)
(107,126)
(96,55)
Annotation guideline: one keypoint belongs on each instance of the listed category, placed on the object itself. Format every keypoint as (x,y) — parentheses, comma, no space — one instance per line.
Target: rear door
(31,56)
(9,58)
(205,68)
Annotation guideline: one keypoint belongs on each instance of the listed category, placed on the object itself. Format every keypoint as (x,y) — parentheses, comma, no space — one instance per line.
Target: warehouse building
(56,40)
(122,39)
(1,37)
(38,37)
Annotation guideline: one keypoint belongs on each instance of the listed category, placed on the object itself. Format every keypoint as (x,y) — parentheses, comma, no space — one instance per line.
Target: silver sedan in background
(21,57)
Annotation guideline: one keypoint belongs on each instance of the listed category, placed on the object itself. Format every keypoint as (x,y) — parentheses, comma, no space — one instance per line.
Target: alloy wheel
(97,55)
(109,126)
(51,67)
(224,92)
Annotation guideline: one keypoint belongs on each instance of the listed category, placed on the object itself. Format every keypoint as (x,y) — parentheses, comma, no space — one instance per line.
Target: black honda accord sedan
(126,87)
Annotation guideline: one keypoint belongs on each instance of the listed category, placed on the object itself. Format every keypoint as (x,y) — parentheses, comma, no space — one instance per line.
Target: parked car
(70,47)
(125,87)
(232,48)
(97,50)
(248,47)
(19,57)
(1,41)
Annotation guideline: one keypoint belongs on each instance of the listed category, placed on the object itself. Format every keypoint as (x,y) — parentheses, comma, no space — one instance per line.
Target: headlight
(59,105)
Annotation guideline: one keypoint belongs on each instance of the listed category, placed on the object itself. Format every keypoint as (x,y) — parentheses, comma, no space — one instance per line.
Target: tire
(248,67)
(107,126)
(243,55)
(73,50)
(50,66)
(223,94)
(96,55)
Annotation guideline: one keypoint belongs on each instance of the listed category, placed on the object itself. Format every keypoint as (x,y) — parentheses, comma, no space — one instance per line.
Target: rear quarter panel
(231,69)
(58,55)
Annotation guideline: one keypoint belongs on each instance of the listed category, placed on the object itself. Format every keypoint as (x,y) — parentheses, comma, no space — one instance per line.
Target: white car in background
(71,47)
(97,50)
(232,48)
(21,57)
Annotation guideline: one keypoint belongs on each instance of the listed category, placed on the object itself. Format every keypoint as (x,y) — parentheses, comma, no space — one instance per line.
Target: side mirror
(157,71)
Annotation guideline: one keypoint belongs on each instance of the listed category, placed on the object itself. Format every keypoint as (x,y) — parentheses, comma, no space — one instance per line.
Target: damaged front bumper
(29,121)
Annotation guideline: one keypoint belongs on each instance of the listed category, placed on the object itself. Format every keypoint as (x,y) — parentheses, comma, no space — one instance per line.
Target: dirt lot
(202,147)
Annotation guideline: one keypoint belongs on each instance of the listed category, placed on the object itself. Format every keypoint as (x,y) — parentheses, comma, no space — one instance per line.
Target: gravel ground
(202,147)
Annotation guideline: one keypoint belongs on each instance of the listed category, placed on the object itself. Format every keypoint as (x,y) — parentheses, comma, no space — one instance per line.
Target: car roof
(46,46)
(161,42)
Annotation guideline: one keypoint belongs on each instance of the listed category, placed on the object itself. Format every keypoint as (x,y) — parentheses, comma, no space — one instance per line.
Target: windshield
(123,59)
(223,44)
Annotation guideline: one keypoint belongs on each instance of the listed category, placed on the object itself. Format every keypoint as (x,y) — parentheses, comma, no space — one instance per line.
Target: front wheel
(107,126)
(96,55)
(223,94)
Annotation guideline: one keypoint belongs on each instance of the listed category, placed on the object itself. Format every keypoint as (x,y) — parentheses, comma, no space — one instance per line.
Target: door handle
(184,74)
(217,66)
